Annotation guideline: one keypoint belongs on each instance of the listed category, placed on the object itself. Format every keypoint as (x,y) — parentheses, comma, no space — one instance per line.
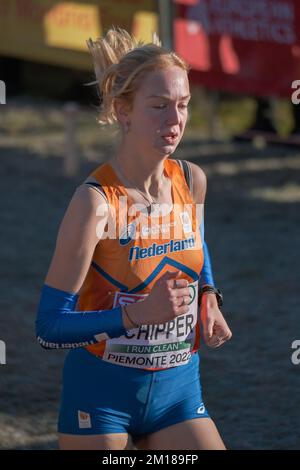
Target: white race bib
(155,346)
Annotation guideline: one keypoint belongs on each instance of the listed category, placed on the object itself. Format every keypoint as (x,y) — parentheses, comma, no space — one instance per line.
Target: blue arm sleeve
(206,275)
(58,325)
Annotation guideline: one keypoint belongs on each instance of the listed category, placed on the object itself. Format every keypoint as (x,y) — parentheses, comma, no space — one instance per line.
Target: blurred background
(243,131)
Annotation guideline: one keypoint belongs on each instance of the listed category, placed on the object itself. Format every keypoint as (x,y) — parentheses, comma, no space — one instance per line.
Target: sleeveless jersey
(128,262)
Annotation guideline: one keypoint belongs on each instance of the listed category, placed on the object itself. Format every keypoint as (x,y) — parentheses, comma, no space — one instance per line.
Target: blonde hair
(119,63)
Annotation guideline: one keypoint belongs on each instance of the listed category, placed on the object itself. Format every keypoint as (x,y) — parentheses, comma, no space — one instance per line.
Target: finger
(217,345)
(228,336)
(220,343)
(211,344)
(215,342)
(223,333)
(178,284)
(219,339)
(180,310)
(167,277)
(208,329)
(173,274)
(184,300)
(170,275)
(182,291)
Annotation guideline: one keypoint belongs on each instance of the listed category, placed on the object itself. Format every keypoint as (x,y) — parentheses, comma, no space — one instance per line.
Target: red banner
(241,46)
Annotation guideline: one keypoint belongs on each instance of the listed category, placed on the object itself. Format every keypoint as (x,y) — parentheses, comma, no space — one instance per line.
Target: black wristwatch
(213,290)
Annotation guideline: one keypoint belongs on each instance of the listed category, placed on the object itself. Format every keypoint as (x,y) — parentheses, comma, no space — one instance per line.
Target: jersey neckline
(130,200)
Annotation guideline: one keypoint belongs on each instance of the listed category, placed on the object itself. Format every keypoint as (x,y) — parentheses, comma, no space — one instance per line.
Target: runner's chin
(167,149)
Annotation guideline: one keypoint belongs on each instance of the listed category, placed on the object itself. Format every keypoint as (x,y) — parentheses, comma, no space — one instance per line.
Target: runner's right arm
(58,325)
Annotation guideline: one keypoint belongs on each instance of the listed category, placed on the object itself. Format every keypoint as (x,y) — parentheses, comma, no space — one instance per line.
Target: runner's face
(159,111)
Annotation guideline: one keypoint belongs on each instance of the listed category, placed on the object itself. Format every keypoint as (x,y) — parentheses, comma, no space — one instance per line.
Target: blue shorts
(103,398)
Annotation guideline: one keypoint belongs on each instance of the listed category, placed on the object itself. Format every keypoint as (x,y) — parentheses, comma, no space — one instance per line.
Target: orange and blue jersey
(126,266)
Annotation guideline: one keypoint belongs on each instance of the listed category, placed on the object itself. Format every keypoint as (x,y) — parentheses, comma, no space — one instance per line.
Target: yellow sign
(55,32)
(144,24)
(68,25)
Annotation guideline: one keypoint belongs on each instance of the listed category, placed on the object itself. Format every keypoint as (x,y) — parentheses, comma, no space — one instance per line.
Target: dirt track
(252,228)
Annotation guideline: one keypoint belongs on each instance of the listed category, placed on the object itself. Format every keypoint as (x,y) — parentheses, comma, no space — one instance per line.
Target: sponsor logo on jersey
(124,298)
(156,249)
(128,234)
(157,229)
(192,293)
(84,420)
(146,231)
(186,222)
(201,409)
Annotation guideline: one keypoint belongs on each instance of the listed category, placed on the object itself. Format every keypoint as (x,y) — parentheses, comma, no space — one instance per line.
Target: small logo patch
(186,222)
(201,409)
(84,420)
(124,298)
(101,337)
(127,234)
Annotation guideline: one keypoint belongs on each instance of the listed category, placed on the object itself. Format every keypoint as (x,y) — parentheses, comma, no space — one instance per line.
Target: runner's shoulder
(199,182)
(87,205)
(91,192)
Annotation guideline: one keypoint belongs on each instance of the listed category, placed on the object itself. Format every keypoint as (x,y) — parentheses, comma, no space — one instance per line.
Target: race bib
(155,346)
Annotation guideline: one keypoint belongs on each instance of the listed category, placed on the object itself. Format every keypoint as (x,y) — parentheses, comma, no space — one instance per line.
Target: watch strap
(213,290)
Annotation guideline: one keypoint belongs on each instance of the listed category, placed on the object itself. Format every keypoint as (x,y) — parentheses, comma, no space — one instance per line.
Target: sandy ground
(251,387)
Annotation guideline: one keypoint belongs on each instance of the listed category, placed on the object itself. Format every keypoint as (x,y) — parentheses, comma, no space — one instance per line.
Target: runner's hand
(215,329)
(167,300)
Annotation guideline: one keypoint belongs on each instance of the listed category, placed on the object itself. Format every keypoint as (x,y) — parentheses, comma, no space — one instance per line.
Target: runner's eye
(160,106)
